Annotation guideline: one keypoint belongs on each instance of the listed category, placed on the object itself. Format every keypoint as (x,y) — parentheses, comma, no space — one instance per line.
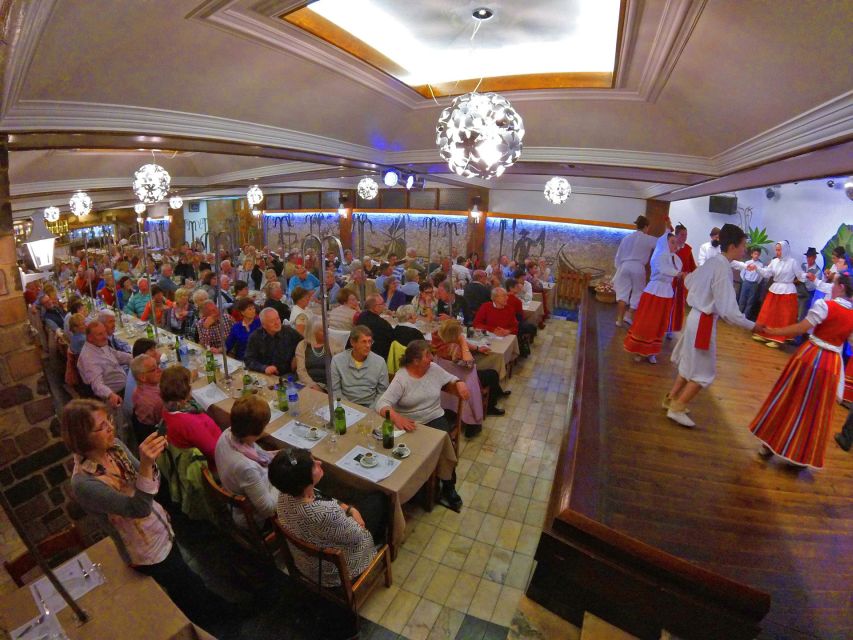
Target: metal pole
(32,547)
(361,220)
(218,269)
(512,248)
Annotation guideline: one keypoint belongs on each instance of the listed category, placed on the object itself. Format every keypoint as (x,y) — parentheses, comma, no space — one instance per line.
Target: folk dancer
(710,296)
(645,337)
(688,265)
(794,420)
(780,305)
(632,256)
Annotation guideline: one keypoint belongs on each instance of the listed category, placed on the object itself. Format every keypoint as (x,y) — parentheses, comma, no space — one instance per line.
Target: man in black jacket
(383,333)
(274,295)
(476,293)
(271,348)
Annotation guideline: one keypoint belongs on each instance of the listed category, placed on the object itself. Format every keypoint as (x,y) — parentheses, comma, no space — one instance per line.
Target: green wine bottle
(387,434)
(340,419)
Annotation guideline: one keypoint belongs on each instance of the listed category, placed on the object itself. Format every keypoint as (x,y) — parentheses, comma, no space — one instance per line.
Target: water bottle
(460,318)
(292,397)
(210,368)
(340,419)
(281,395)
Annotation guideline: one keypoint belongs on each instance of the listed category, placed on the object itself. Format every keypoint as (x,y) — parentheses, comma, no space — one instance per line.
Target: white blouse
(783,271)
(665,267)
(709,290)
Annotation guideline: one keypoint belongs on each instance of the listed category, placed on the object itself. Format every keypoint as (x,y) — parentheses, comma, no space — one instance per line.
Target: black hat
(811,251)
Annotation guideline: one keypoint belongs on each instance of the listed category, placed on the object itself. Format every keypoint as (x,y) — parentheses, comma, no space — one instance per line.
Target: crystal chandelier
(479,135)
(557,190)
(256,213)
(176,202)
(254,195)
(367,189)
(51,214)
(139,208)
(80,203)
(151,183)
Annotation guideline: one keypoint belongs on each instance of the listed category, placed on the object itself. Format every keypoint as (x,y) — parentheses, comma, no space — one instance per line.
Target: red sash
(703,333)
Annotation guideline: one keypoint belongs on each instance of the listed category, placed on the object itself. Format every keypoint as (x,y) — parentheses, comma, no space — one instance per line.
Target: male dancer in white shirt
(710,248)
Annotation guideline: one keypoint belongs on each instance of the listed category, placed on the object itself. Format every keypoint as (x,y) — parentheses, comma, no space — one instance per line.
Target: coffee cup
(313,433)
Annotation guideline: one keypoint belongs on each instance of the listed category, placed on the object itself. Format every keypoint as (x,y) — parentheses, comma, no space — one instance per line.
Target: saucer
(369,465)
(401,453)
(312,435)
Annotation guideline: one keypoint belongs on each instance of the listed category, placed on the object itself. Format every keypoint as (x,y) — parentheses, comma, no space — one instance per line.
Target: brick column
(34,463)
(657,212)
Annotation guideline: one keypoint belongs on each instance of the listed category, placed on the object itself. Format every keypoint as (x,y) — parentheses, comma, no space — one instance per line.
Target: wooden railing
(583,565)
(571,286)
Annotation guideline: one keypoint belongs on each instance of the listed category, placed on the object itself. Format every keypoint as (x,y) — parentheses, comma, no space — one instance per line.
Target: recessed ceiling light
(483,13)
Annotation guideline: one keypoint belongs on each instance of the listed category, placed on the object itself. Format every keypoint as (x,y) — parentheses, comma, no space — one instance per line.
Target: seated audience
(357,279)
(380,328)
(102,367)
(140,298)
(238,338)
(302,278)
(165,282)
(52,316)
(342,317)
(448,304)
(143,346)
(385,271)
(159,303)
(311,355)
(424,302)
(393,297)
(213,327)
(414,395)
(406,329)
(327,523)
(180,317)
(359,374)
(274,295)
(477,292)
(301,299)
(271,348)
(108,318)
(242,464)
(412,286)
(77,329)
(187,426)
(496,316)
(146,401)
(526,330)
(461,273)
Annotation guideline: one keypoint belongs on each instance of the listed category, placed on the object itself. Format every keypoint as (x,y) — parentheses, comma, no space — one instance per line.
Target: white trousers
(695,365)
(629,282)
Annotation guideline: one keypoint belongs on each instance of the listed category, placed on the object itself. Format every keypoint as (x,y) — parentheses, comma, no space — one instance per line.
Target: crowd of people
(814,308)
(265,313)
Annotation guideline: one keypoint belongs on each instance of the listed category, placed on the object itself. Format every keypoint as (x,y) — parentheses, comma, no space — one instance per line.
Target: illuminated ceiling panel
(438,47)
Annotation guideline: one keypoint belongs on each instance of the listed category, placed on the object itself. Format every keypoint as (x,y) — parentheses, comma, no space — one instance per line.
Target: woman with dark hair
(394,298)
(425,303)
(688,265)
(118,491)
(414,395)
(793,423)
(238,338)
(631,259)
(710,296)
(124,289)
(186,424)
(159,304)
(304,512)
(242,464)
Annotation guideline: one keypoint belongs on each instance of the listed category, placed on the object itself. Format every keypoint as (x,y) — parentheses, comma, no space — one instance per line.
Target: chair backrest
(224,503)
(344,593)
(56,549)
(457,428)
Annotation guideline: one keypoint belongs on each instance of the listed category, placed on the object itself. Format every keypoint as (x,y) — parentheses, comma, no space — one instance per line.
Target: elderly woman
(414,395)
(311,355)
(245,272)
(449,343)
(412,286)
(208,284)
(186,425)
(342,317)
(305,513)
(159,304)
(118,491)
(107,292)
(394,298)
(242,464)
(180,317)
(406,330)
(238,338)
(425,302)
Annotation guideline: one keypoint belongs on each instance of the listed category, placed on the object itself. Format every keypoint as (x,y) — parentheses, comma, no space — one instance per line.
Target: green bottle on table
(247,384)
(149,331)
(387,433)
(210,368)
(340,419)
(281,395)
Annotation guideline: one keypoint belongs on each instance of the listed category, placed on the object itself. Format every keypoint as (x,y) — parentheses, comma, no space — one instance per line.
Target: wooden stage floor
(705,495)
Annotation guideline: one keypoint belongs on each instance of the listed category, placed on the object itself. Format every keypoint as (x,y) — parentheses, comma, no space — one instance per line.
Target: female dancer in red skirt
(794,421)
(688,265)
(645,337)
(780,305)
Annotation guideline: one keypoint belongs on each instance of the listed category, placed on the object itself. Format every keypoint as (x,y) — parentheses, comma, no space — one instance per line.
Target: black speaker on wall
(727,205)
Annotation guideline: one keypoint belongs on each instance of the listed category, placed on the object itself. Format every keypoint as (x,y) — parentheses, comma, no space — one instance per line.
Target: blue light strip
(573,225)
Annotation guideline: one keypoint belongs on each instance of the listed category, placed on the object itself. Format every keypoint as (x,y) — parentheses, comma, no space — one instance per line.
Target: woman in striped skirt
(645,337)
(688,265)
(780,305)
(794,421)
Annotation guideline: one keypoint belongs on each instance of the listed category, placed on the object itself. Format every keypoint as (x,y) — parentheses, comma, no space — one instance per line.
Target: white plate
(368,466)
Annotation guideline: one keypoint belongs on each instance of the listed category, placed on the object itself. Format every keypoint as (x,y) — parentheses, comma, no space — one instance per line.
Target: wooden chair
(456,431)
(56,549)
(224,504)
(352,592)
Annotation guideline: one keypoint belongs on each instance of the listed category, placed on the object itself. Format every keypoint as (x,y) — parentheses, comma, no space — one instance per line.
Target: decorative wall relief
(4,289)
(395,232)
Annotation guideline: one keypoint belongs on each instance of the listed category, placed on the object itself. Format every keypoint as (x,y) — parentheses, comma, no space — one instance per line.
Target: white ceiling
(706,90)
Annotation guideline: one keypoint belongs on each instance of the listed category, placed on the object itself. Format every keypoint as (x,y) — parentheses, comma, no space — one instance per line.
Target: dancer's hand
(762,328)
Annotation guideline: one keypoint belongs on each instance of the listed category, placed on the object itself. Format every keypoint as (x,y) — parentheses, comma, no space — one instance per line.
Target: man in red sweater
(496,316)
(525,328)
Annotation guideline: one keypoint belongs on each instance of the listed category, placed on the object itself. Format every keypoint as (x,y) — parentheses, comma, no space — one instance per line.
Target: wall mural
(287,230)
(388,233)
(578,247)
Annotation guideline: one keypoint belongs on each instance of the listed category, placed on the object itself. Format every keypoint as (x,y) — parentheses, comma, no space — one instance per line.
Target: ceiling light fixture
(483,13)
(81,204)
(139,208)
(151,183)
(40,244)
(367,189)
(475,212)
(391,178)
(557,190)
(51,214)
(256,213)
(342,206)
(410,181)
(254,195)
(848,189)
(479,135)
(176,202)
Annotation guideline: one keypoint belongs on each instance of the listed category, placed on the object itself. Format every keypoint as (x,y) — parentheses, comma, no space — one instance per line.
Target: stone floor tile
(447,624)
(499,504)
(419,576)
(477,558)
(541,489)
(519,572)
(441,585)
(524,486)
(471,521)
(402,566)
(450,520)
(535,513)
(476,472)
(498,565)
(437,546)
(482,498)
(508,535)
(504,451)
(528,540)
(534,622)
(483,604)
(489,529)
(377,604)
(517,508)
(508,481)
(421,621)
(463,592)
(457,551)
(492,477)
(506,606)
(515,462)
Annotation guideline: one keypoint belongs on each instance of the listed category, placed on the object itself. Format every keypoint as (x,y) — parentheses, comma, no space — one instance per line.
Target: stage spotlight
(391,178)
(410,181)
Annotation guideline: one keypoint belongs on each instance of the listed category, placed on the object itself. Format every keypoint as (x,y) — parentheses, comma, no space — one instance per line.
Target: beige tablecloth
(534,312)
(551,292)
(129,606)
(503,352)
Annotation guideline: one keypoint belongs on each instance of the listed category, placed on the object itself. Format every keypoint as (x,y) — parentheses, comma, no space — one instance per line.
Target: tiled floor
(463,575)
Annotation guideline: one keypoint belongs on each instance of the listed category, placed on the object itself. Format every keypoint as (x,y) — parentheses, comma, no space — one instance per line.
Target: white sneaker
(681,418)
(619,323)
(628,321)
(666,402)
(652,360)
(638,358)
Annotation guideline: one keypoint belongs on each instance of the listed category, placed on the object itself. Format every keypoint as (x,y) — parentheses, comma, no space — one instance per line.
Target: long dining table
(432,454)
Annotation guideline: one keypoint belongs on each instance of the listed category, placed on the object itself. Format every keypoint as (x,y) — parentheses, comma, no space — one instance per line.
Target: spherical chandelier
(557,190)
(80,203)
(139,208)
(479,135)
(367,189)
(51,214)
(254,195)
(176,202)
(151,183)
